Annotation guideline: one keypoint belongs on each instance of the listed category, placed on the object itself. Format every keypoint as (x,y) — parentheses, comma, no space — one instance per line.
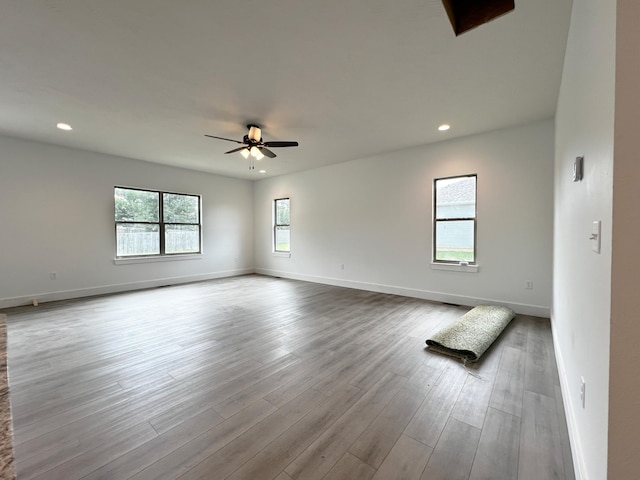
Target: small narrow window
(281,225)
(454,219)
(150,223)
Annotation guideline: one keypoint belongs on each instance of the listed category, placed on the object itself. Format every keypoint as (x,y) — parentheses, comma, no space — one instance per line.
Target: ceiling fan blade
(267,152)
(222,138)
(280,144)
(236,150)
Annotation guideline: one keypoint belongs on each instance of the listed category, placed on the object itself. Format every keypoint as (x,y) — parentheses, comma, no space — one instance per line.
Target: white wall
(57,215)
(374,216)
(624,381)
(582,300)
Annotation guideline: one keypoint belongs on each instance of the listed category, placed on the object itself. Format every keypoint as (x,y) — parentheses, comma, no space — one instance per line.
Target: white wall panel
(373,215)
(57,215)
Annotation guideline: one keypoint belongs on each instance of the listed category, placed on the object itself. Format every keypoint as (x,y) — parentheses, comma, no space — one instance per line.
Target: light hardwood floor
(262,378)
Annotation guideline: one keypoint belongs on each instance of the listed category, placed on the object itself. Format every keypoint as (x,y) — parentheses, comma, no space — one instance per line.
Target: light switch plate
(595,236)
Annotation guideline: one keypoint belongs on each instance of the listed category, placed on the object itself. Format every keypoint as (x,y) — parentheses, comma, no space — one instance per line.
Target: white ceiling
(146,79)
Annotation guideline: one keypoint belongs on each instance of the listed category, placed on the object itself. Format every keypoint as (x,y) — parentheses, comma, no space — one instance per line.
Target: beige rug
(472,334)
(7,471)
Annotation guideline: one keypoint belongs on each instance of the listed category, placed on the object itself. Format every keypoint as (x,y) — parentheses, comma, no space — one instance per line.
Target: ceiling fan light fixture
(254,133)
(245,152)
(256,153)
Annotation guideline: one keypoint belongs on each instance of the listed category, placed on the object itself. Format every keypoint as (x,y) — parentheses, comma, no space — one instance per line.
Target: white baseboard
(535,310)
(579,465)
(43,297)
(121,287)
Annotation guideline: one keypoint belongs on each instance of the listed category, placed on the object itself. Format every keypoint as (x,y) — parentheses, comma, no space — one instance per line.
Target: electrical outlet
(583,391)
(53,275)
(529,285)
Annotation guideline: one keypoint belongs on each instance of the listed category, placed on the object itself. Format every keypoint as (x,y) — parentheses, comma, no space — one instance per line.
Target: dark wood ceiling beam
(467,14)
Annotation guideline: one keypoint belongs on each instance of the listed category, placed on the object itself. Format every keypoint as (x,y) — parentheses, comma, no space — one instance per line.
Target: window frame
(474,219)
(161,225)
(276,225)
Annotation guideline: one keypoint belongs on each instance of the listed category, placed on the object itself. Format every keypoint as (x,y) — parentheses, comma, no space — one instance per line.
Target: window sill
(455,267)
(281,254)
(163,258)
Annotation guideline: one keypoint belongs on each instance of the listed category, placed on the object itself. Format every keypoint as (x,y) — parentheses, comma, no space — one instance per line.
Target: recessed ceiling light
(444,127)
(263,171)
(64,126)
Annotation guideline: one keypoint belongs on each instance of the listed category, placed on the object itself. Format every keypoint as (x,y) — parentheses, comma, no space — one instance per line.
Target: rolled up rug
(473,333)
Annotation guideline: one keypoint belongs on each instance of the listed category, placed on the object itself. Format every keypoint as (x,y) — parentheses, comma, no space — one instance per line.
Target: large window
(156,223)
(454,224)
(281,225)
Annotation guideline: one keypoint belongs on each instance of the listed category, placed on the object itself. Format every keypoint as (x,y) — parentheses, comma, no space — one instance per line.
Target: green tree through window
(281,225)
(156,223)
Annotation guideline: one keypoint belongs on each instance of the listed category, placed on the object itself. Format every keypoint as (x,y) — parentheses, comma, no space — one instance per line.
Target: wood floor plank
(283,450)
(515,334)
(155,449)
(473,401)
(196,398)
(237,385)
(540,441)
(283,476)
(406,461)
(370,372)
(104,418)
(237,452)
(350,468)
(454,454)
(567,456)
(508,388)
(232,405)
(193,452)
(90,460)
(32,465)
(46,425)
(331,362)
(127,386)
(498,449)
(410,359)
(36,410)
(540,362)
(89,431)
(342,375)
(487,367)
(377,440)
(431,418)
(322,454)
